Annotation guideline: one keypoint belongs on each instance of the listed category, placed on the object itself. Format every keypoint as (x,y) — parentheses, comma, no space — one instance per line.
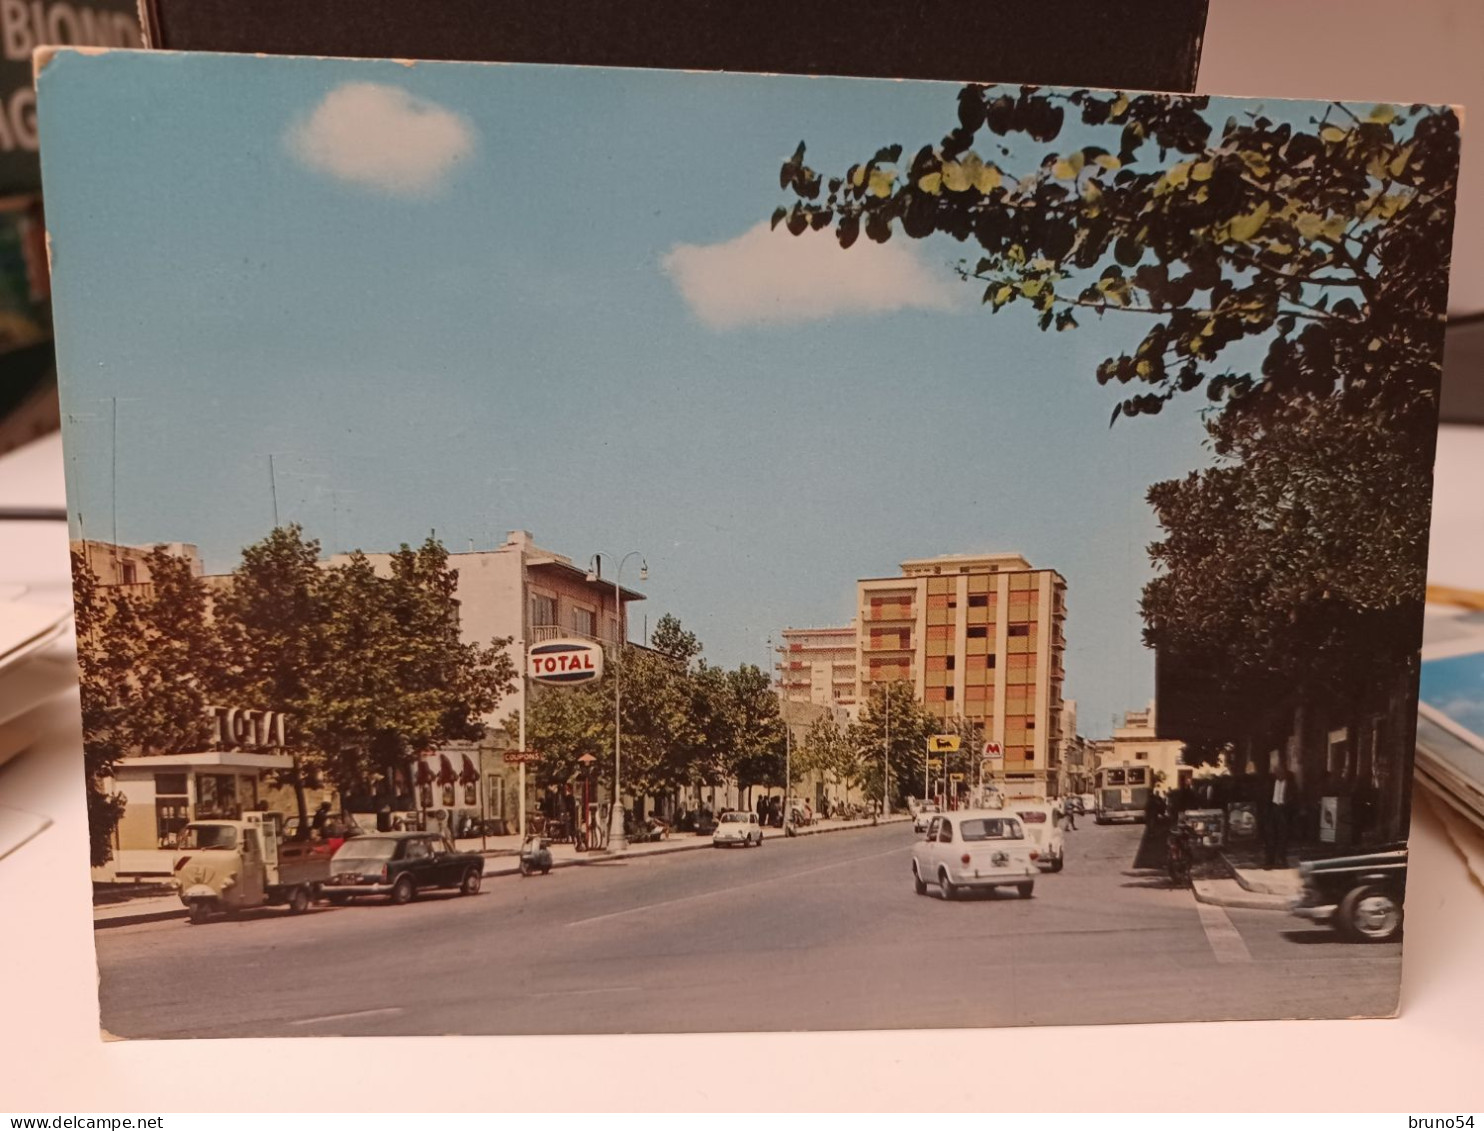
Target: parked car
(1043,823)
(925,813)
(399,866)
(1360,896)
(974,849)
(738,827)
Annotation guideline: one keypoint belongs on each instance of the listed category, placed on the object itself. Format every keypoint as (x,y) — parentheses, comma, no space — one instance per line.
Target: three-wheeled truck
(231,865)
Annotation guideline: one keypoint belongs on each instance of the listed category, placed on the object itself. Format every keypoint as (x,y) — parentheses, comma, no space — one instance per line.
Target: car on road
(925,813)
(737,827)
(399,866)
(1043,823)
(1360,896)
(974,849)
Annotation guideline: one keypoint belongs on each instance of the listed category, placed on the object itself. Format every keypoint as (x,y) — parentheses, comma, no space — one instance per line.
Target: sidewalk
(1251,886)
(501,860)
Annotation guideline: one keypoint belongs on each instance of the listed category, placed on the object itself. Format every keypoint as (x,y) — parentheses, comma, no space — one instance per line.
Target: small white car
(974,849)
(925,813)
(1045,825)
(737,828)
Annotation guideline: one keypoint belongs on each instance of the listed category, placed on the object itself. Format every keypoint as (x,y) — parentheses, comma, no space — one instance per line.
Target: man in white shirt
(1276,819)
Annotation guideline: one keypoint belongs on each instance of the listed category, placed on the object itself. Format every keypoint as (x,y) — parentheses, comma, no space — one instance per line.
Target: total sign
(565,662)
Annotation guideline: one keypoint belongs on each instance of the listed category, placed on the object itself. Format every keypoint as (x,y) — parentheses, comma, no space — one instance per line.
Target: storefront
(165,792)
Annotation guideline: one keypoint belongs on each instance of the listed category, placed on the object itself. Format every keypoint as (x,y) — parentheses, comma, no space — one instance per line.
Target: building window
(585,622)
(1030,724)
(948,694)
(977,632)
(216,796)
(543,611)
(989,661)
(129,572)
(1019,630)
(170,785)
(950,662)
(978,600)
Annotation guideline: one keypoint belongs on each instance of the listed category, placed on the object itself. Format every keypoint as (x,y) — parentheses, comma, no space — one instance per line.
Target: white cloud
(382,138)
(770,277)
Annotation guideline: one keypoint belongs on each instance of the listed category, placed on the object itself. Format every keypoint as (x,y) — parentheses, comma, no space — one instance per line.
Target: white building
(1135,742)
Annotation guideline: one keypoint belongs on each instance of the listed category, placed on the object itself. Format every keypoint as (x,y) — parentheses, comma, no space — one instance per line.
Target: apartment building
(817,665)
(980,638)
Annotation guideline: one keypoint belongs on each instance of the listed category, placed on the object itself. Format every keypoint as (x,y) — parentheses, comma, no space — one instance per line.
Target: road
(821,932)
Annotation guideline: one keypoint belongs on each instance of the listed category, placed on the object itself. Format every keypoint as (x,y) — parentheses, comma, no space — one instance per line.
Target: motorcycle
(535,855)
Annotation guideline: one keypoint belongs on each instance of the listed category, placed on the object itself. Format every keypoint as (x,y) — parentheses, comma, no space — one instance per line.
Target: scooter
(535,855)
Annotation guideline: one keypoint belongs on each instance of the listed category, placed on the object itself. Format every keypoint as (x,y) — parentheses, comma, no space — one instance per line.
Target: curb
(1257,886)
(141,917)
(596,859)
(1216,893)
(599,858)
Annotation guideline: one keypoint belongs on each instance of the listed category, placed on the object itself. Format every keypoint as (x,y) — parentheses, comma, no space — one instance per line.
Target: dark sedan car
(399,866)
(1361,896)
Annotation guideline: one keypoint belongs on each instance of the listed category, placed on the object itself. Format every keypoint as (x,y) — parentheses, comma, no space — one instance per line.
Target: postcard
(571,550)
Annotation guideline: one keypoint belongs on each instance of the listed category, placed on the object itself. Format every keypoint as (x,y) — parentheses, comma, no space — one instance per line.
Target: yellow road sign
(955,777)
(943,744)
(935,763)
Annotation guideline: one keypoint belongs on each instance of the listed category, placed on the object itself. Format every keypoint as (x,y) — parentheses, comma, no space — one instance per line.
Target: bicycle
(1179,850)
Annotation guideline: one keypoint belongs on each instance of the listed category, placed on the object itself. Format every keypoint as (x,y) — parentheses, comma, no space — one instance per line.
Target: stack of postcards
(1450,713)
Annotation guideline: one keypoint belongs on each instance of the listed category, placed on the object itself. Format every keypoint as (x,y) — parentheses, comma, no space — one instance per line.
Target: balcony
(540,633)
(878,646)
(899,611)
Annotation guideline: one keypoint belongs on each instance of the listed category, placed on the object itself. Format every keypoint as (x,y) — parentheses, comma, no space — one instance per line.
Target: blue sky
(450,297)
(1455,686)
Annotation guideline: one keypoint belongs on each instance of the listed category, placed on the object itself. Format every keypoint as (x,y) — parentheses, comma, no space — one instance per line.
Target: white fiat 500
(975,848)
(1044,824)
(737,828)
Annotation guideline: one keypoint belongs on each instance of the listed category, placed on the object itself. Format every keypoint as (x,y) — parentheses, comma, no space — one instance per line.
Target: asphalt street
(821,932)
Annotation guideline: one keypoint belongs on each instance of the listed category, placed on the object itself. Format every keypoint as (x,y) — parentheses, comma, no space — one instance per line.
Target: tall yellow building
(980,638)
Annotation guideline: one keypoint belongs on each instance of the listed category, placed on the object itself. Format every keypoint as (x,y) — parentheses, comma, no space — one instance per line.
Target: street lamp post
(788,812)
(618,840)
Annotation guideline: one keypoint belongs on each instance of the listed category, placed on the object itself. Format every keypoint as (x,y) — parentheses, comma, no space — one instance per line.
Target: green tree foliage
(103,662)
(891,710)
(1326,246)
(177,662)
(758,738)
(395,676)
(149,662)
(272,622)
(676,718)
(827,751)
(1296,274)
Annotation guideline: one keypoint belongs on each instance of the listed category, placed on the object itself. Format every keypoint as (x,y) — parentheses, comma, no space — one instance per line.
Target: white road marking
(345,1016)
(738,887)
(594,990)
(1226,941)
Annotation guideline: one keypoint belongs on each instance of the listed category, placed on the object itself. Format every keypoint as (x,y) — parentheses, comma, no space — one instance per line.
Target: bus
(1123,792)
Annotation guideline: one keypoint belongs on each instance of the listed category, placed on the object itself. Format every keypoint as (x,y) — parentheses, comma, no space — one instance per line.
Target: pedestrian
(1069,814)
(1277,818)
(321,815)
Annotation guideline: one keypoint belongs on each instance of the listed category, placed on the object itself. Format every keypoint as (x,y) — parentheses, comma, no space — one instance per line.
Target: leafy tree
(103,663)
(827,751)
(758,737)
(671,640)
(891,710)
(1297,273)
(176,659)
(1326,245)
(272,619)
(396,676)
